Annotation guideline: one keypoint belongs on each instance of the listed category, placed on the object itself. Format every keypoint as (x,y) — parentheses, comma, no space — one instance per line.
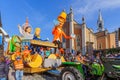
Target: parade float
(32,48)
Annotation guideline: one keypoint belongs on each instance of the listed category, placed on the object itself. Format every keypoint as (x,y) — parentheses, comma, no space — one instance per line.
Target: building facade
(3,36)
(86,39)
(117,32)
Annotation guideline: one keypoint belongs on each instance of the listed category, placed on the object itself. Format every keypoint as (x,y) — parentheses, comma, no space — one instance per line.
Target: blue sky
(41,13)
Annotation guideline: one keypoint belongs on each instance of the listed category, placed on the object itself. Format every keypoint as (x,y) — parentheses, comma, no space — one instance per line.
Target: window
(78,40)
(100,25)
(100,46)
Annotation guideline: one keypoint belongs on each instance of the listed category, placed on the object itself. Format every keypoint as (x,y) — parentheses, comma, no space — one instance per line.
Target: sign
(1,39)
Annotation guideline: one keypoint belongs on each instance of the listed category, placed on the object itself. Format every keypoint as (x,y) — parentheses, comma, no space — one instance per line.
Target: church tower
(100,22)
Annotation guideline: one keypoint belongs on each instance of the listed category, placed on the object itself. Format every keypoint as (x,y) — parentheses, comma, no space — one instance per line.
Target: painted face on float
(62,18)
(28,29)
(26,47)
(61,21)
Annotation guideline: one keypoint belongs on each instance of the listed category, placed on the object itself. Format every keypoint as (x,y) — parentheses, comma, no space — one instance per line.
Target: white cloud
(90,6)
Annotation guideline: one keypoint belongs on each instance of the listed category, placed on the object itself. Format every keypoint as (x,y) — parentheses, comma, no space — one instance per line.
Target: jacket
(3,69)
(18,64)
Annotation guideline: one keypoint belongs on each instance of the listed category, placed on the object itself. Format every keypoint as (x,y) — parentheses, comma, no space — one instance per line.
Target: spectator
(97,58)
(42,53)
(82,59)
(47,52)
(70,57)
(3,69)
(79,57)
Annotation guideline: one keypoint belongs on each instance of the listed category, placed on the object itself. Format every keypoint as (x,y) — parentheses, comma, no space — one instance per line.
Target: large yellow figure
(58,32)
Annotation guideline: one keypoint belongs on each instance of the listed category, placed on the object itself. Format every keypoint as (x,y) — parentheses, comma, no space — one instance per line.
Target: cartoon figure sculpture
(25,30)
(18,64)
(37,35)
(26,54)
(58,32)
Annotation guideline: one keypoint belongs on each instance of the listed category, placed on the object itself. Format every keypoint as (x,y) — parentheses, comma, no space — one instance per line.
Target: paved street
(32,76)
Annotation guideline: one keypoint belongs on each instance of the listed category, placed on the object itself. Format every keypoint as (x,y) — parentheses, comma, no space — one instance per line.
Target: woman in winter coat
(3,68)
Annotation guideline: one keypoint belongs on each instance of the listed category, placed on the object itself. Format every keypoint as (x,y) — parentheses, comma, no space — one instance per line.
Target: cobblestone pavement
(32,76)
(38,77)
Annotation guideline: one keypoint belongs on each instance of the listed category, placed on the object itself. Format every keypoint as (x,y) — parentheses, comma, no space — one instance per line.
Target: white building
(3,37)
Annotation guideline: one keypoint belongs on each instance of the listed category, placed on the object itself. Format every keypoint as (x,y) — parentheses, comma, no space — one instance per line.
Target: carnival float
(41,55)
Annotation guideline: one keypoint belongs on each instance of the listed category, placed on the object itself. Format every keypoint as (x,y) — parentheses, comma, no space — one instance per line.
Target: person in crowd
(47,52)
(97,58)
(4,69)
(18,64)
(83,60)
(42,52)
(79,57)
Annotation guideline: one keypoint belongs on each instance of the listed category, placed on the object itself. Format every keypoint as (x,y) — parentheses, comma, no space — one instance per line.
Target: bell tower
(100,22)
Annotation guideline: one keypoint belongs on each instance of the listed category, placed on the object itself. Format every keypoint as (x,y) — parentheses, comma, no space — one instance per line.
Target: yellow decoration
(52,56)
(36,61)
(13,57)
(37,29)
(62,59)
(62,16)
(37,32)
(27,59)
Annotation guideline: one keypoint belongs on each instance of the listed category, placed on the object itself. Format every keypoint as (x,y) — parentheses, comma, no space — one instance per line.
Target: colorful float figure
(37,35)
(18,64)
(26,54)
(58,32)
(25,30)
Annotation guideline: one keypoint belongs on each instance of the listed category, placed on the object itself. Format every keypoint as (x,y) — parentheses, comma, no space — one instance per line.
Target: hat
(62,16)
(37,29)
